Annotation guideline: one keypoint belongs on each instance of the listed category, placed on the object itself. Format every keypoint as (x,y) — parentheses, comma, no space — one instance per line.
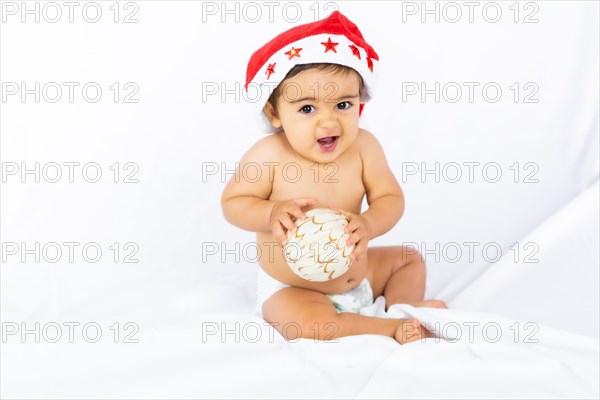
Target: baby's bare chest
(337,184)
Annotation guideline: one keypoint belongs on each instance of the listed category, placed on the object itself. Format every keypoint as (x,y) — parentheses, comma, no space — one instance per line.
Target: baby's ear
(272,115)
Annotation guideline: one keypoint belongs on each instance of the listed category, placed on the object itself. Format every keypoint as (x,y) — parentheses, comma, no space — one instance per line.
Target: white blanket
(191,311)
(485,355)
(532,351)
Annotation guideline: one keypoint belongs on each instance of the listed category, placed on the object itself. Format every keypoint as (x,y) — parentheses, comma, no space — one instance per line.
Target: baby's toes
(410,330)
(437,303)
(431,303)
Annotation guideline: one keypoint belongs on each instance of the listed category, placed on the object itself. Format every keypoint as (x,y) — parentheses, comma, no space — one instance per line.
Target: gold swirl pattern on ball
(326,229)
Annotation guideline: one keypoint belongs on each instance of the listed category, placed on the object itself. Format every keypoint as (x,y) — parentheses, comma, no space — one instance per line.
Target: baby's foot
(410,330)
(429,303)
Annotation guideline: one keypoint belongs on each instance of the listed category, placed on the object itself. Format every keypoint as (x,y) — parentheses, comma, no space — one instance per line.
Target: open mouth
(328,143)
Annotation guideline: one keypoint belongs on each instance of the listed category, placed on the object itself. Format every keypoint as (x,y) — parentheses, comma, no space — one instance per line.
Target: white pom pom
(317,251)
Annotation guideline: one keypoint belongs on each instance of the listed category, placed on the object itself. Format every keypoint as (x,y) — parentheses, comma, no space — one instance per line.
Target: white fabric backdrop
(178,54)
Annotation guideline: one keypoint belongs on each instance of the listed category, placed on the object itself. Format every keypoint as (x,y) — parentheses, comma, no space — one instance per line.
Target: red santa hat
(335,40)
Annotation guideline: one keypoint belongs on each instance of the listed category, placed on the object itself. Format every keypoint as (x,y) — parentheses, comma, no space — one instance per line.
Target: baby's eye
(306,109)
(344,105)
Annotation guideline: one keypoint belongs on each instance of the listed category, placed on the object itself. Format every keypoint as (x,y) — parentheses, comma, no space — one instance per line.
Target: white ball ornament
(317,251)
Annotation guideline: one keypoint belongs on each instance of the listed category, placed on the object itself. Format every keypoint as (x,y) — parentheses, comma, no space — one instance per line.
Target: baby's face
(318,112)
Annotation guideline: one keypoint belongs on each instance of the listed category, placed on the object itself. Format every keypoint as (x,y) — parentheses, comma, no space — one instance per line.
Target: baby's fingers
(354,238)
(346,213)
(287,222)
(359,250)
(298,214)
(304,202)
(352,226)
(279,233)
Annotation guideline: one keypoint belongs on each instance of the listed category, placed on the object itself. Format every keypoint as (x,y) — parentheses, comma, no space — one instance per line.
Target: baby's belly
(273,262)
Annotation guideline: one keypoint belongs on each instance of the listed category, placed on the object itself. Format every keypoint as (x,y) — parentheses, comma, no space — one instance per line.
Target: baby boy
(318,157)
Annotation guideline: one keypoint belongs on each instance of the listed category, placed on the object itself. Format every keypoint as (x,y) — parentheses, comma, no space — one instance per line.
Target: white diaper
(352,300)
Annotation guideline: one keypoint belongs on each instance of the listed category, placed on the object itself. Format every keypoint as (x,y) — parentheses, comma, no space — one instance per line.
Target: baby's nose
(329,126)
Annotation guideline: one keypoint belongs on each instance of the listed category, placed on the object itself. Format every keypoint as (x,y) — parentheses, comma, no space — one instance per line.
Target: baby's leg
(302,313)
(398,272)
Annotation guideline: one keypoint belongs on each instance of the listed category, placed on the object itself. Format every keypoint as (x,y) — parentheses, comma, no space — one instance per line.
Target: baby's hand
(282,213)
(360,233)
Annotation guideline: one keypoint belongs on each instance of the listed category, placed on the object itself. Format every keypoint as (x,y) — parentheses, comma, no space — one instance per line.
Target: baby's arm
(244,201)
(384,195)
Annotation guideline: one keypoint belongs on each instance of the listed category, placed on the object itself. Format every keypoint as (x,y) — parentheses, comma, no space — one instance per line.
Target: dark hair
(327,67)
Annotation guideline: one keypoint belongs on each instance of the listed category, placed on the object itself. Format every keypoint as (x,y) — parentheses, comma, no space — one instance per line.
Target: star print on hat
(334,40)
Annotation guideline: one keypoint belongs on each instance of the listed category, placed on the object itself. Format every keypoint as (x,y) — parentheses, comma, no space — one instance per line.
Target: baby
(318,157)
